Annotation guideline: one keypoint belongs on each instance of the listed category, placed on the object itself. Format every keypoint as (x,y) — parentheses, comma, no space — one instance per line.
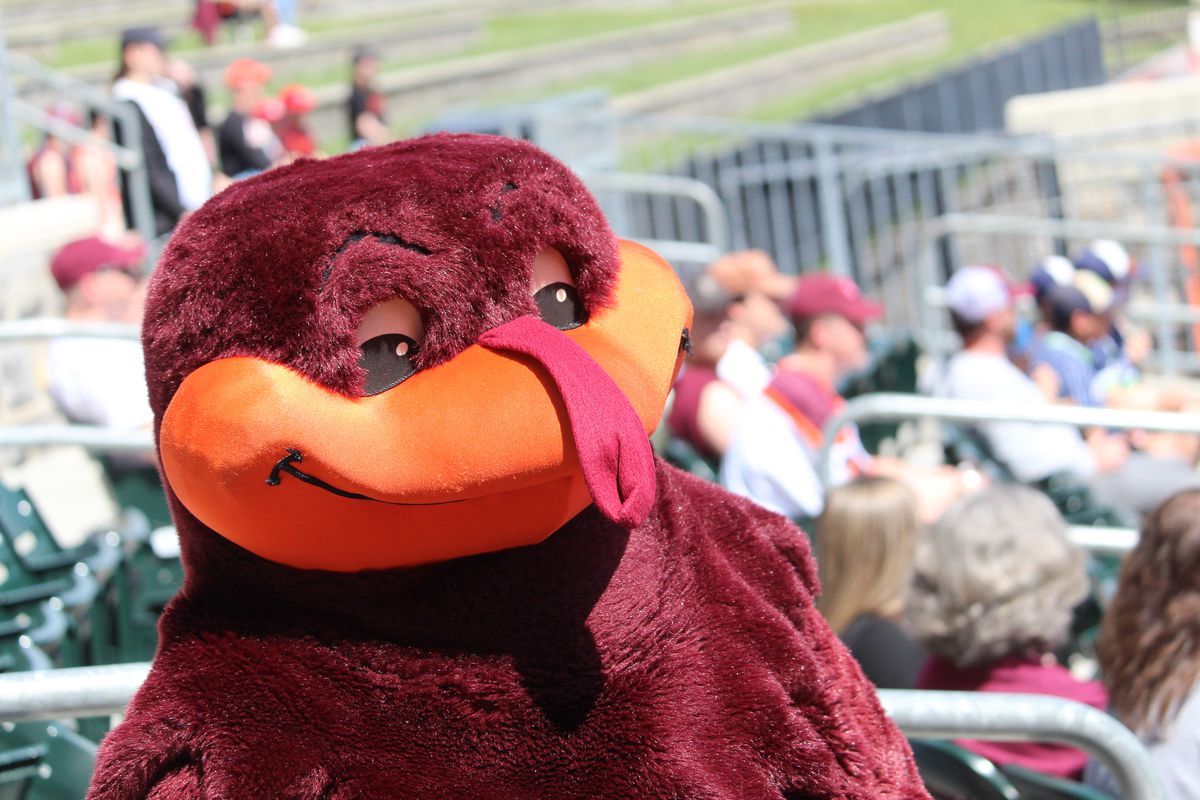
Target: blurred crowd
(187,156)
(963,577)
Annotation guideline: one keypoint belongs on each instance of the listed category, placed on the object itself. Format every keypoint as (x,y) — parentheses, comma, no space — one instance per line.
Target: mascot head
(407,354)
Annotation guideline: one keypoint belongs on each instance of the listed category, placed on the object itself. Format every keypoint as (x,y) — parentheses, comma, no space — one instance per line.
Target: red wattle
(614,450)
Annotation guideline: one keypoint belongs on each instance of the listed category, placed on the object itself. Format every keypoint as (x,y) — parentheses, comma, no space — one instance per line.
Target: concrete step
(743,87)
(423,91)
(40,34)
(409,38)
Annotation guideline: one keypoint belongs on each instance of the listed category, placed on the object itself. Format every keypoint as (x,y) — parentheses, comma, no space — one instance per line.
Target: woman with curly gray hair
(995,582)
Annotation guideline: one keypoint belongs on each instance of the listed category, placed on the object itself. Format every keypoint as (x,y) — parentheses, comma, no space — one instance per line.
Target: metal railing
(44,328)
(90,437)
(96,691)
(903,407)
(866,202)
(1102,540)
(1028,717)
(626,196)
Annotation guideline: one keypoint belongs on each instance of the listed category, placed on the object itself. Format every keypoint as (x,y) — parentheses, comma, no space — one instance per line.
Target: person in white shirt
(141,81)
(982,311)
(99,381)
(774,453)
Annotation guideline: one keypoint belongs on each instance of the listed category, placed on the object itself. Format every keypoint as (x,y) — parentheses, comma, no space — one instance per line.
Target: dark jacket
(164,191)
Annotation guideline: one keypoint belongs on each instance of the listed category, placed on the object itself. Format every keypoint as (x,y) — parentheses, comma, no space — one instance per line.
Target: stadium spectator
(367,124)
(982,311)
(279,19)
(52,165)
(759,327)
(725,366)
(773,453)
(995,583)
(864,542)
(245,141)
(1149,646)
(292,129)
(96,169)
(99,381)
(1064,365)
(178,169)
(703,408)
(191,91)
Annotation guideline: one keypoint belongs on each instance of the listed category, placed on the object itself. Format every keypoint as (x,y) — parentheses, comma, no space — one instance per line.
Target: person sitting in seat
(981,307)
(865,539)
(246,142)
(776,444)
(100,381)
(726,365)
(994,586)
(1149,647)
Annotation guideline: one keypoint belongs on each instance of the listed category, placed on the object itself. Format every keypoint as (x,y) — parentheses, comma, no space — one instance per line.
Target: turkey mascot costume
(402,399)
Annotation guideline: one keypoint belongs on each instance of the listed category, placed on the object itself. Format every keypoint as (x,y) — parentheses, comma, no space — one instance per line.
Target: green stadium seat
(952,773)
(148,578)
(44,761)
(1036,786)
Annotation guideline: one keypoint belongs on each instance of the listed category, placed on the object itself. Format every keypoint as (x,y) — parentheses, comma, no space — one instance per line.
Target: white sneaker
(284,36)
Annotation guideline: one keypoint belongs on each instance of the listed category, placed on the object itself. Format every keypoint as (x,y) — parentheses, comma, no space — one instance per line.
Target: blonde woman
(995,582)
(865,541)
(1150,645)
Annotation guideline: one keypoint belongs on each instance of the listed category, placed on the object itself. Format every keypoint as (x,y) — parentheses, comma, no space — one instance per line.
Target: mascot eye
(387,360)
(559,305)
(558,301)
(389,343)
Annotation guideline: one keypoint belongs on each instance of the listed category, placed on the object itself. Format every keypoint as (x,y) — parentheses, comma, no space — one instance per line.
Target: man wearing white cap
(982,311)
(981,308)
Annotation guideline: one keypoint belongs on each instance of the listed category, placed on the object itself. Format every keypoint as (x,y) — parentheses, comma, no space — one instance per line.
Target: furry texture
(680,659)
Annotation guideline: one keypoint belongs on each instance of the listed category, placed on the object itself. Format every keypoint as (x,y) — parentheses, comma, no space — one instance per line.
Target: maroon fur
(682,659)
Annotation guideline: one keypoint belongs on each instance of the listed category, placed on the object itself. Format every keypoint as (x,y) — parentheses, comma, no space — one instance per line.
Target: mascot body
(402,399)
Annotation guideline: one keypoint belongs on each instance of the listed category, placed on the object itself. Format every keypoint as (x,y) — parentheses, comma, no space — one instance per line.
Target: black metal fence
(971,97)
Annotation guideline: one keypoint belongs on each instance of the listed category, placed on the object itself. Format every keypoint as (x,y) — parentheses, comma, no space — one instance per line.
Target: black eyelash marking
(358,236)
(505,189)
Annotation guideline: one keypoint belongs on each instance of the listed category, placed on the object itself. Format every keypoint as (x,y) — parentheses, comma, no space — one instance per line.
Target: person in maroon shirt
(995,584)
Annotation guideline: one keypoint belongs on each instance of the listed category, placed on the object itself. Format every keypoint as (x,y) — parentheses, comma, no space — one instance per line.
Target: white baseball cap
(974,293)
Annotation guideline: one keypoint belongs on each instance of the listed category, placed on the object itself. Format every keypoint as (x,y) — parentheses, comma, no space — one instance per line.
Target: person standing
(367,125)
(178,169)
(245,141)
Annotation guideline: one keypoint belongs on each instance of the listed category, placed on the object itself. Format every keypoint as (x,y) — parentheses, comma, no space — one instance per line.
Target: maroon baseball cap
(85,256)
(821,293)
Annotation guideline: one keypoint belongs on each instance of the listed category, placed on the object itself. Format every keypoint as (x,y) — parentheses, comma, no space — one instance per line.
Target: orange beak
(472,456)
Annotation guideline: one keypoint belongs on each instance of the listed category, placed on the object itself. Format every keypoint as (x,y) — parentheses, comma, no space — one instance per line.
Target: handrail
(886,407)
(716,218)
(1014,717)
(1100,539)
(95,691)
(69,693)
(58,328)
(89,437)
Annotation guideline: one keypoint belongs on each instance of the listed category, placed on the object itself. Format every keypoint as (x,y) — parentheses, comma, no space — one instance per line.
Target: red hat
(246,72)
(822,293)
(85,256)
(298,99)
